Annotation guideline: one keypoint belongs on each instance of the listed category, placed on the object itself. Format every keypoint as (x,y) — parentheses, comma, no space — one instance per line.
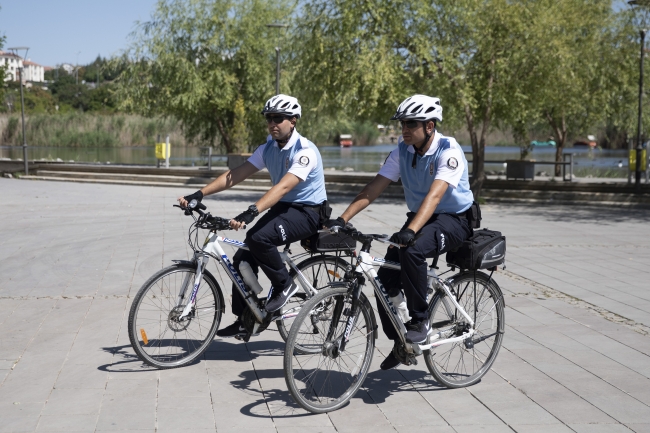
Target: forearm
(424,214)
(367,195)
(429,205)
(273,196)
(229,179)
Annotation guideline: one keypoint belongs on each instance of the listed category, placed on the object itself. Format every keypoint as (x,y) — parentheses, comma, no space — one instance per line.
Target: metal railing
(564,165)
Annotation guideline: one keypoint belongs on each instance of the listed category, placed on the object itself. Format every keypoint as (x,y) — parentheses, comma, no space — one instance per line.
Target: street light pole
(277,70)
(22,104)
(277,58)
(639,146)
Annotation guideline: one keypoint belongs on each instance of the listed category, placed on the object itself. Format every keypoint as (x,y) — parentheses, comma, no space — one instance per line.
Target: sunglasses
(275,119)
(410,124)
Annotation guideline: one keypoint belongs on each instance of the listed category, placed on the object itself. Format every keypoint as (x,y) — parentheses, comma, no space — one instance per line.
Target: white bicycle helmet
(419,107)
(283,104)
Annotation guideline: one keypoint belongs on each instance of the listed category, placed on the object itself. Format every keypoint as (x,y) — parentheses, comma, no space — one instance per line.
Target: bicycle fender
(185,262)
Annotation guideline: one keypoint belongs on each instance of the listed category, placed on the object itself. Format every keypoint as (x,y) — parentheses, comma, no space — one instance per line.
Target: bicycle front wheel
(157,335)
(463,363)
(327,377)
(319,271)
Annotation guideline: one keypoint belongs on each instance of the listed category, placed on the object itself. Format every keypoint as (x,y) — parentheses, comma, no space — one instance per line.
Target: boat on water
(345,140)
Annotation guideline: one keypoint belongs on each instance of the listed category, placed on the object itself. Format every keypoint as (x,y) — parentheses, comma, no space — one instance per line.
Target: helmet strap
(417,149)
(285,139)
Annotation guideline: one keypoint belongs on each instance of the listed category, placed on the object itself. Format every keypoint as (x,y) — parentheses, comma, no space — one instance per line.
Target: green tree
(364,57)
(194,59)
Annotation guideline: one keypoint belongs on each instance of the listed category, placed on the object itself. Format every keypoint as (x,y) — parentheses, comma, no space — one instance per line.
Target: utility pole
(277,58)
(639,145)
(22,103)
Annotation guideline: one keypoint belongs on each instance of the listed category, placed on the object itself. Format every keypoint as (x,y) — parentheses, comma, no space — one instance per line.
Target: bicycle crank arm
(447,340)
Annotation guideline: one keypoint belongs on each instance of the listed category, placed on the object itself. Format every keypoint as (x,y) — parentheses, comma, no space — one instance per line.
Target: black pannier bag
(485,249)
(329,242)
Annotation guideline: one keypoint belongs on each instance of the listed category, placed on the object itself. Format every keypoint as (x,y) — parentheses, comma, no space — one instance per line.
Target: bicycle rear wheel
(327,378)
(157,336)
(320,271)
(463,363)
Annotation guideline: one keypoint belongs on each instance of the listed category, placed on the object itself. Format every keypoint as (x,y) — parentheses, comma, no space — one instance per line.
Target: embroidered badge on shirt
(431,169)
(452,163)
(304,161)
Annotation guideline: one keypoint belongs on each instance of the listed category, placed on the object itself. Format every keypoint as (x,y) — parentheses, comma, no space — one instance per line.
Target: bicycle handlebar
(205,220)
(360,237)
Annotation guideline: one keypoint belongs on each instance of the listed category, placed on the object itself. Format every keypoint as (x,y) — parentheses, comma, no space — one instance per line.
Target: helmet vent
(416,109)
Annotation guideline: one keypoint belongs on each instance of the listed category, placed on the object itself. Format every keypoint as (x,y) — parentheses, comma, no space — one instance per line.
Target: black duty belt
(314,207)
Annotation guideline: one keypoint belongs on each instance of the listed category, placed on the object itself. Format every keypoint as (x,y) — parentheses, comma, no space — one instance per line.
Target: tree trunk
(560,133)
(225,137)
(478,155)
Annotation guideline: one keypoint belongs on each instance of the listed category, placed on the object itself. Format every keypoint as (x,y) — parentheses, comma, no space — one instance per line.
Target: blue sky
(56,30)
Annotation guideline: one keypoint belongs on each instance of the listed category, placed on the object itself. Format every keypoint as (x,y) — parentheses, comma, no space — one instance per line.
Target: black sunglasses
(276,119)
(410,124)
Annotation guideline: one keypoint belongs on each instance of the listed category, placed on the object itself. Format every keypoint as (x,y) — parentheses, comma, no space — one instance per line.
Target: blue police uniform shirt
(299,157)
(444,160)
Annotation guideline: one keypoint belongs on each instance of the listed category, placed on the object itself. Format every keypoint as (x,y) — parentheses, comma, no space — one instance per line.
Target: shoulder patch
(304,161)
(452,163)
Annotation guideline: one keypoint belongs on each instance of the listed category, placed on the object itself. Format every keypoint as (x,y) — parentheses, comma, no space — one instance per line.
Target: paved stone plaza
(575,358)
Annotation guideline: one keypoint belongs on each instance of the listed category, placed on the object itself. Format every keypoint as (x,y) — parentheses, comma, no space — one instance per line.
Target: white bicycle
(177,311)
(330,345)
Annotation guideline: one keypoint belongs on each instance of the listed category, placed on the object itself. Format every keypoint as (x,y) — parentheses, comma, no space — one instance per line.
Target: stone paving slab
(575,356)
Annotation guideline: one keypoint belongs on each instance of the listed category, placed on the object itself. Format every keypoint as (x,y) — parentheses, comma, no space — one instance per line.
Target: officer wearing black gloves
(294,203)
(434,174)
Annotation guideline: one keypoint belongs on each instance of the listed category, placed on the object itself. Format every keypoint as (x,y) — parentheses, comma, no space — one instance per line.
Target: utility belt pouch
(473,215)
(325,213)
(485,249)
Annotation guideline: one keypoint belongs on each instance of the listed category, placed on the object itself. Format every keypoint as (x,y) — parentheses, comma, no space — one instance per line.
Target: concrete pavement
(575,355)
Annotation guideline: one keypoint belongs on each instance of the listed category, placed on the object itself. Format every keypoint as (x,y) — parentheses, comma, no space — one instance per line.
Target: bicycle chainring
(249,320)
(403,356)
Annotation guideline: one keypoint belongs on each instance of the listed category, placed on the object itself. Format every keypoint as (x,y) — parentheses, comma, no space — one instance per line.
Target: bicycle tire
(448,363)
(153,311)
(320,271)
(318,382)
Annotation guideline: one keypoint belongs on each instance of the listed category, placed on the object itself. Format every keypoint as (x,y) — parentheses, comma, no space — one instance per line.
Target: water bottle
(249,277)
(400,305)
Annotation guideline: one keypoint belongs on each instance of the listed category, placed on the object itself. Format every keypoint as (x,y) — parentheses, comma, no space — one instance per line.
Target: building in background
(13,62)
(33,71)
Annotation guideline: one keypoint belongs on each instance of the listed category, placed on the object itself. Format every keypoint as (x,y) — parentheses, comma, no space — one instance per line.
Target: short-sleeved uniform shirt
(443,160)
(299,157)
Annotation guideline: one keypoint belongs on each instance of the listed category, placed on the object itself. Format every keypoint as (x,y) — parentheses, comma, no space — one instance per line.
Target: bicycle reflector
(144,336)
(331,272)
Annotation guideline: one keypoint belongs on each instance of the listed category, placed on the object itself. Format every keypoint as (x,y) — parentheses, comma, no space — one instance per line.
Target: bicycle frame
(366,264)
(212,248)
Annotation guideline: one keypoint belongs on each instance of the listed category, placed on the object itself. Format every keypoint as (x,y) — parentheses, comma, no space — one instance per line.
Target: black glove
(248,215)
(339,222)
(404,237)
(198,196)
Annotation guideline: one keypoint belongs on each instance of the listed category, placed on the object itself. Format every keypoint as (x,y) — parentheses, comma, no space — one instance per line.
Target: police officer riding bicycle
(297,203)
(434,174)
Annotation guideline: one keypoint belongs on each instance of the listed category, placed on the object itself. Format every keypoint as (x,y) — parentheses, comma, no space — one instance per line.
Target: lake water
(592,162)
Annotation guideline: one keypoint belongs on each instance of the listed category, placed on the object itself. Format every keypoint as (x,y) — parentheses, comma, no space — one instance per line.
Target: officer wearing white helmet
(434,174)
(297,202)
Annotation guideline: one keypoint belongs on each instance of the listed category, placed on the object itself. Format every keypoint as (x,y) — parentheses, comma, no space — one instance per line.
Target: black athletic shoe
(416,332)
(390,362)
(277,298)
(234,330)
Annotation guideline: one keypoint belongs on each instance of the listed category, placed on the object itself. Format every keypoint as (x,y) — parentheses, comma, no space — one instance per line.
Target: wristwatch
(252,209)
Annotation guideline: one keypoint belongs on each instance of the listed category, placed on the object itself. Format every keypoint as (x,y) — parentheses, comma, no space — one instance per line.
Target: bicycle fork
(201,262)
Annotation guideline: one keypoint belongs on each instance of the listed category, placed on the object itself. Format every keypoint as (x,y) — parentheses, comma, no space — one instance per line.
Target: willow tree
(197,60)
(361,58)
(575,68)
